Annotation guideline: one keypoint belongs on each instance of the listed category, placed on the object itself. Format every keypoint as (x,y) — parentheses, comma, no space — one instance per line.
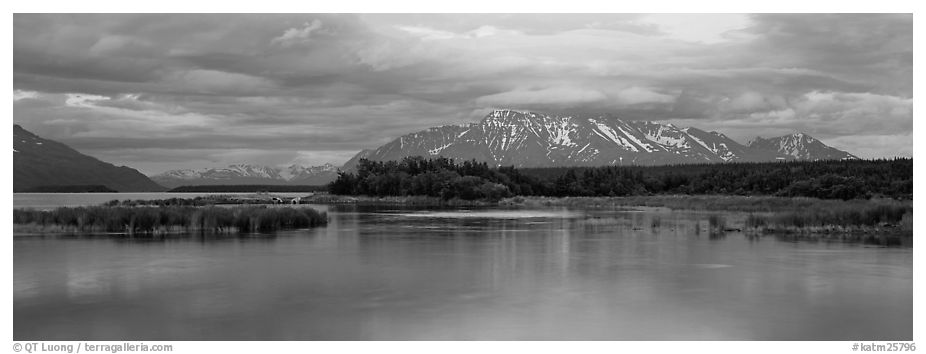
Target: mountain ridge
(243,174)
(530,139)
(44,163)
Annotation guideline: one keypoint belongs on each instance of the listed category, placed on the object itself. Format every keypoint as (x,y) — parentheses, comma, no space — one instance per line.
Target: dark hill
(45,163)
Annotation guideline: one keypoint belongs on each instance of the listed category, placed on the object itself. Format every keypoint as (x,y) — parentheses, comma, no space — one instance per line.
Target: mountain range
(244,174)
(530,139)
(502,138)
(42,163)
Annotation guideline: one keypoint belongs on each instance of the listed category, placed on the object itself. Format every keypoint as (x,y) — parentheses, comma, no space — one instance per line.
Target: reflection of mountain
(528,139)
(43,163)
(243,174)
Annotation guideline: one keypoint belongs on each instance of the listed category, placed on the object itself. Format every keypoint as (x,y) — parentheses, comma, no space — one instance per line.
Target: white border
(477,6)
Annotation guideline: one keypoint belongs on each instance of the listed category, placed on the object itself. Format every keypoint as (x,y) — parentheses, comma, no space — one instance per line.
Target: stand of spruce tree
(469,180)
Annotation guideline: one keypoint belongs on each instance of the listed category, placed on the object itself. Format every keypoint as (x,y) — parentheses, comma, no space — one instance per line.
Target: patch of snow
(560,131)
(635,140)
(182,174)
(661,138)
(584,147)
(438,149)
(610,134)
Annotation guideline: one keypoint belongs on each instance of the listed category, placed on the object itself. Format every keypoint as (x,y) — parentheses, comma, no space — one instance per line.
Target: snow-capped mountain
(799,146)
(243,174)
(39,162)
(312,175)
(529,139)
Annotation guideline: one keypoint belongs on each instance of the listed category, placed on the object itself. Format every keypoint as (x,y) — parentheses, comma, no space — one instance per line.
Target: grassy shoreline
(700,202)
(166,219)
(765,214)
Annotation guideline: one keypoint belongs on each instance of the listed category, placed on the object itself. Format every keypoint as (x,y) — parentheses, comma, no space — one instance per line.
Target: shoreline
(763,214)
(675,202)
(757,214)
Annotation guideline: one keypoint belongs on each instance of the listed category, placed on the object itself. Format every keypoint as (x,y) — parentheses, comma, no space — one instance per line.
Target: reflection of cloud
(202,81)
(86,283)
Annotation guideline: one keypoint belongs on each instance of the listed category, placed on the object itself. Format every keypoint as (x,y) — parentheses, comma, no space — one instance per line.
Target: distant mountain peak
(799,146)
(532,139)
(244,173)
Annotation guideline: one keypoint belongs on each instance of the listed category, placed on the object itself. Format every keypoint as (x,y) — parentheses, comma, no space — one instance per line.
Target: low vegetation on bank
(709,202)
(765,214)
(881,216)
(148,220)
(217,199)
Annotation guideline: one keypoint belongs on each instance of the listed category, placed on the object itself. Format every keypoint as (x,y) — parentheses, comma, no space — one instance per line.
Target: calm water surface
(398,273)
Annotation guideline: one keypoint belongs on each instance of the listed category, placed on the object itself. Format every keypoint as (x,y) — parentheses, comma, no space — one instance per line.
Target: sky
(165,91)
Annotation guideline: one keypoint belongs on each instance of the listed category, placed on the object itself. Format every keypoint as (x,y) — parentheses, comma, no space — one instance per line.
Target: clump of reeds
(755,221)
(170,218)
(836,217)
(716,222)
(756,204)
(195,201)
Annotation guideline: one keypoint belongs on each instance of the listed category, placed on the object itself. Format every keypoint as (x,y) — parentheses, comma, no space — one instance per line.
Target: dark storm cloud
(875,48)
(306,86)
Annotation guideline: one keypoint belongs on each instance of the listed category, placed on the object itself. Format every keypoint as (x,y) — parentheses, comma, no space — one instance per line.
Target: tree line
(447,179)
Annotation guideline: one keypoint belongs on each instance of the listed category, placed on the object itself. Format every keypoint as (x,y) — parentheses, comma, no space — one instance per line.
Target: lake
(395,273)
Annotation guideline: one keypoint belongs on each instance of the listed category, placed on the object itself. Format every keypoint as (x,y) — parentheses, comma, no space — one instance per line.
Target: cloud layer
(158,92)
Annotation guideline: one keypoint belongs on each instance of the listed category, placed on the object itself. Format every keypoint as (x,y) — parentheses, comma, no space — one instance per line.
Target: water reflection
(383,274)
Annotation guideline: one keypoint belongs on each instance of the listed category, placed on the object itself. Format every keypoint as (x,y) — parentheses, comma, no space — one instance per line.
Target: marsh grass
(196,201)
(704,202)
(164,219)
(836,218)
(716,223)
(410,200)
(765,213)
